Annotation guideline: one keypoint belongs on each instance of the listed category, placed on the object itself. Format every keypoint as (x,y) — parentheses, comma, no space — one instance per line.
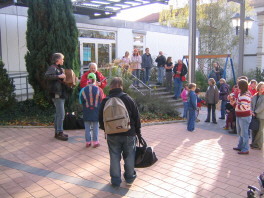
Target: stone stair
(160,91)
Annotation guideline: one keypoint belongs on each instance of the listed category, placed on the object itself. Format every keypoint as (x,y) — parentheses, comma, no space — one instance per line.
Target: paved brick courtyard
(199,164)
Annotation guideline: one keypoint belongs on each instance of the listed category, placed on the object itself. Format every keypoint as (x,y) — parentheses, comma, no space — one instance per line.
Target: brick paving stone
(200,164)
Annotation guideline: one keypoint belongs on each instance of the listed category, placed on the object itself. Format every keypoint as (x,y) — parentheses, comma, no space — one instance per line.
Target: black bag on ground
(254,124)
(145,156)
(71,121)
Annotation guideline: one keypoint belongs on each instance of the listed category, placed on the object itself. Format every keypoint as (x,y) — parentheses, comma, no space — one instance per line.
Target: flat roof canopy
(95,8)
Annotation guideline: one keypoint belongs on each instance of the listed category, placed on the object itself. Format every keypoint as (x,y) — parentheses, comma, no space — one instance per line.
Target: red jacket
(99,76)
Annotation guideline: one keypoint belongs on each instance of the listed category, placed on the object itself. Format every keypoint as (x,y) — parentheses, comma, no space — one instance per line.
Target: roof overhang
(95,8)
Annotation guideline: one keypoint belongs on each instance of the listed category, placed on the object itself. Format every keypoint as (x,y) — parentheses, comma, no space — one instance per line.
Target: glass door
(103,54)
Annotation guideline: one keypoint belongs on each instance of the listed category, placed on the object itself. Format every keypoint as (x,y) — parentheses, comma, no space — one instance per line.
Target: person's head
(57,58)
(135,52)
(147,50)
(197,91)
(216,65)
(92,67)
(243,86)
(179,61)
(242,77)
(211,81)
(169,59)
(186,86)
(160,53)
(91,78)
(192,86)
(253,83)
(222,81)
(116,82)
(126,54)
(260,88)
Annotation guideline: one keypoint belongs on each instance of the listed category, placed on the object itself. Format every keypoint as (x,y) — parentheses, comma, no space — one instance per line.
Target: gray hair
(55,57)
(92,64)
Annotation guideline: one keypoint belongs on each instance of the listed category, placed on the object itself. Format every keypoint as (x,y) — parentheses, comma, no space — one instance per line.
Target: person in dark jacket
(211,98)
(160,60)
(223,93)
(122,143)
(57,90)
(179,70)
(146,65)
(217,72)
(91,97)
(192,107)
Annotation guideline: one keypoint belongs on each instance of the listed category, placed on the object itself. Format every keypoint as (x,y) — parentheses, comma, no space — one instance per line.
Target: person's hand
(62,76)
(253,114)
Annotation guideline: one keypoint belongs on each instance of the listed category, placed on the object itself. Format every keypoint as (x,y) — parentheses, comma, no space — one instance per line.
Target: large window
(97,34)
(139,42)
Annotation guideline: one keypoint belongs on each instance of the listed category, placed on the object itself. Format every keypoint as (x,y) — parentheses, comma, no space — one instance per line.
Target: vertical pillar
(241,39)
(192,40)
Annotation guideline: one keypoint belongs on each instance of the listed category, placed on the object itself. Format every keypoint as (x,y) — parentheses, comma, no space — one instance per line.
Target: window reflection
(96,34)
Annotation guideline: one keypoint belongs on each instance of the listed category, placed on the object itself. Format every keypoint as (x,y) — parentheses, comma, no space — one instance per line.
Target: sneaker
(56,134)
(243,153)
(225,128)
(215,122)
(88,144)
(207,121)
(60,136)
(96,144)
(221,118)
(236,149)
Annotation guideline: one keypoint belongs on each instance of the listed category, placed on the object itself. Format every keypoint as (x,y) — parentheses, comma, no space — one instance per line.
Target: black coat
(55,85)
(132,111)
(183,71)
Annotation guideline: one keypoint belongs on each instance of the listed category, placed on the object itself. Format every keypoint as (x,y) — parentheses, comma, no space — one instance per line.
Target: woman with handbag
(257,107)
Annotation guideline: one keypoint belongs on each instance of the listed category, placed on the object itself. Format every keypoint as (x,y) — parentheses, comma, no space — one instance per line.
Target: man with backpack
(119,118)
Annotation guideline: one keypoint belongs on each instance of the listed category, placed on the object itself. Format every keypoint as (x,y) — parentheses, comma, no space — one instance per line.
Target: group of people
(166,69)
(93,101)
(237,108)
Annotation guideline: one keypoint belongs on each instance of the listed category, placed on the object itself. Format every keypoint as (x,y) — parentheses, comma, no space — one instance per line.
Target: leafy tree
(216,34)
(7,88)
(51,28)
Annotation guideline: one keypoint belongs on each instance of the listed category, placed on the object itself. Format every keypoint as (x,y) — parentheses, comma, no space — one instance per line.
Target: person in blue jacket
(192,107)
(91,97)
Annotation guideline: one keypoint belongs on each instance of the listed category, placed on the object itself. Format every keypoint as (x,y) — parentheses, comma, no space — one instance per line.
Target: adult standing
(100,79)
(179,70)
(169,67)
(125,62)
(223,93)
(147,64)
(57,90)
(243,117)
(160,60)
(257,107)
(135,66)
(217,72)
(122,143)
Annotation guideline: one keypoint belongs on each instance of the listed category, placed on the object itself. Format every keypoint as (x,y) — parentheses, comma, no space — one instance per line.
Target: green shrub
(201,80)
(7,88)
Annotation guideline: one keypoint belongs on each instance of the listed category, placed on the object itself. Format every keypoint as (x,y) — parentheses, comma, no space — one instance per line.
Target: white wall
(13,41)
(124,42)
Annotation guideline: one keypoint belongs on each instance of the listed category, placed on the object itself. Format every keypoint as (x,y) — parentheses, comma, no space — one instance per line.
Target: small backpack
(116,117)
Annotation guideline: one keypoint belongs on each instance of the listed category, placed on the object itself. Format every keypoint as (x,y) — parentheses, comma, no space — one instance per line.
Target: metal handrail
(14,76)
(145,85)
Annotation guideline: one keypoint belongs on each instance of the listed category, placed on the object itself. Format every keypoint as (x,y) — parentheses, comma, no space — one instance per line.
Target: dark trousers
(209,108)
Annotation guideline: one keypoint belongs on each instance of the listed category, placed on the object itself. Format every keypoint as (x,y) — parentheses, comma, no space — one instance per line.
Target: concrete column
(260,48)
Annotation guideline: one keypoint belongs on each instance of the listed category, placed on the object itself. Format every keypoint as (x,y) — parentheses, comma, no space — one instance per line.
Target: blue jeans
(160,74)
(59,115)
(223,108)
(185,109)
(125,145)
(242,124)
(177,87)
(95,128)
(146,75)
(191,119)
(137,74)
